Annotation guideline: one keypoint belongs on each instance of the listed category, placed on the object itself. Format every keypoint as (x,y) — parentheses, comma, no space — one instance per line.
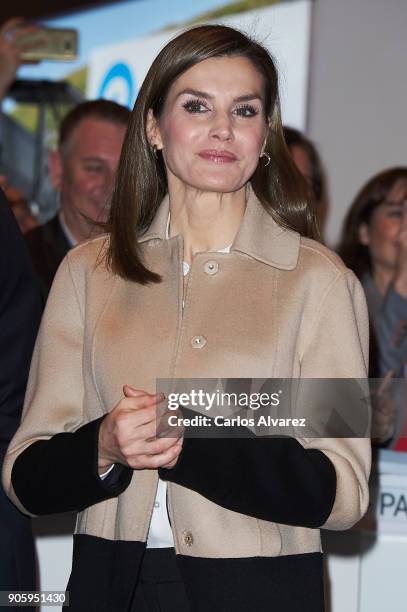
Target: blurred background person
(82,171)
(10,60)
(308,162)
(19,205)
(374,246)
(11,32)
(20,311)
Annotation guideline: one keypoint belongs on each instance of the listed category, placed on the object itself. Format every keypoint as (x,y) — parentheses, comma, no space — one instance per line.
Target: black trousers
(292,583)
(160,587)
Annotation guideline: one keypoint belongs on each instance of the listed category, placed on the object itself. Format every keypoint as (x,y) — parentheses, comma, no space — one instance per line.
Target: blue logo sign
(118,85)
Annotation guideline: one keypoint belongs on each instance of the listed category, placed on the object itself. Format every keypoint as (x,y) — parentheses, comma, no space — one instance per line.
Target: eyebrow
(203,94)
(395,203)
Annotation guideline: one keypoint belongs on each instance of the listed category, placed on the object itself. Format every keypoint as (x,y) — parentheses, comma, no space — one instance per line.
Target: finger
(141,400)
(146,432)
(176,429)
(26,30)
(156,461)
(163,430)
(11,24)
(131,392)
(130,419)
(158,446)
(172,463)
(132,440)
(144,402)
(168,466)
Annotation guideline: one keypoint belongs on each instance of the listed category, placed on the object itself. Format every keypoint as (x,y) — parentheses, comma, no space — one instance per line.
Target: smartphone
(49,44)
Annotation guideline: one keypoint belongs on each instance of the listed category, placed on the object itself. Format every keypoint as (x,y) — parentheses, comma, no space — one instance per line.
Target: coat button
(187,538)
(198,342)
(211,267)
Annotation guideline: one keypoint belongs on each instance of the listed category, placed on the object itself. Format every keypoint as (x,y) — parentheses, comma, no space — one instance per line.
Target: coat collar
(259,236)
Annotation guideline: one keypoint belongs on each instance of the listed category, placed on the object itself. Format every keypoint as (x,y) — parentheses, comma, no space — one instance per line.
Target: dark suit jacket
(47,245)
(20,312)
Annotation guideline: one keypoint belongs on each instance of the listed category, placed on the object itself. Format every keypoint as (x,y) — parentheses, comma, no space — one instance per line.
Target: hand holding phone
(58,44)
(11,33)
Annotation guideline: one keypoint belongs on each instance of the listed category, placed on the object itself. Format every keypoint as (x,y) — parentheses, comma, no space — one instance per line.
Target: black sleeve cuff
(274,479)
(61,474)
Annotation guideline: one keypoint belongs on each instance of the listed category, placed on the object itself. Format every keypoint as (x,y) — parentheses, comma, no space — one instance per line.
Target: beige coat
(277,305)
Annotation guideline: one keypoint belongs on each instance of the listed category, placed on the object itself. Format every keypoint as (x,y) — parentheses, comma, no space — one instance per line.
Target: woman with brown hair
(374,246)
(209,270)
(308,161)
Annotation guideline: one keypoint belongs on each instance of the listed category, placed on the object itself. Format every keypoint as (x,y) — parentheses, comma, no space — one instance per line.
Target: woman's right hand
(12,32)
(127,434)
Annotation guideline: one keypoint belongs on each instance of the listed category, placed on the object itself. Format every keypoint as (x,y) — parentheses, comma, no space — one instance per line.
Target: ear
(55,169)
(364,234)
(153,131)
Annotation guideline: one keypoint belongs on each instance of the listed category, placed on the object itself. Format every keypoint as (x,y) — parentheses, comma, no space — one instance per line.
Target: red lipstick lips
(218,156)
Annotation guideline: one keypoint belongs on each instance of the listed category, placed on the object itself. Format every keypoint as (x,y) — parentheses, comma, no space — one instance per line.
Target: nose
(222,128)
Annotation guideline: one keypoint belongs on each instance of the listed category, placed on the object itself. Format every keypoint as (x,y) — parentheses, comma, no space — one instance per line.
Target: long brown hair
(355,254)
(141,181)
(317,181)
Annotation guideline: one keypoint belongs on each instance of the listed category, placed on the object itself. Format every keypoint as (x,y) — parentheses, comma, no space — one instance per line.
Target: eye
(393,209)
(246,110)
(395,213)
(195,106)
(93,168)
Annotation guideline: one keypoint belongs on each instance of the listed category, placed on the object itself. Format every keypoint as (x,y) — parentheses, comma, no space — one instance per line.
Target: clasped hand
(127,434)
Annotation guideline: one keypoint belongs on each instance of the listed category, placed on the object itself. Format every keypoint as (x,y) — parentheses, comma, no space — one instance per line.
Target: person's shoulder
(10,234)
(85,267)
(15,265)
(320,268)
(317,258)
(89,255)
(37,233)
(41,241)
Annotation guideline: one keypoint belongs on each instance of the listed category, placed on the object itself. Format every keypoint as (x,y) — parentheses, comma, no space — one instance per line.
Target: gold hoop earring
(267,156)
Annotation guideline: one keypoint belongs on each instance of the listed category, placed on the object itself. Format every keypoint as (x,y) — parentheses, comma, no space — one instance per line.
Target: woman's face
(381,235)
(213,127)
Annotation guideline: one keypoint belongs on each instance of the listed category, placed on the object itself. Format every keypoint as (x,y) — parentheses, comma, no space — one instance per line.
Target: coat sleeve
(339,348)
(51,463)
(318,482)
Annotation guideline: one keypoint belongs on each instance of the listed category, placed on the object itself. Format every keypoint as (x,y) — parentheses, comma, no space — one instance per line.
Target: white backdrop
(117,71)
